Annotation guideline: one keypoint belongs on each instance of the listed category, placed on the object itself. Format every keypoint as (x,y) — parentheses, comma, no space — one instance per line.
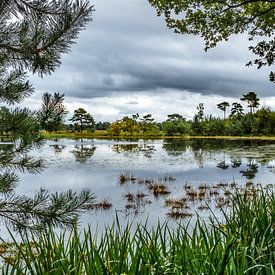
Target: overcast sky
(127,61)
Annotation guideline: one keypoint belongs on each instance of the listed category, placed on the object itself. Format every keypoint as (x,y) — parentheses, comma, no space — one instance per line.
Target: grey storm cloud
(127,48)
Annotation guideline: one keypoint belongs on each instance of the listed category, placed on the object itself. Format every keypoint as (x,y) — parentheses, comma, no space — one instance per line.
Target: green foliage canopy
(252,100)
(216,21)
(83,120)
(222,106)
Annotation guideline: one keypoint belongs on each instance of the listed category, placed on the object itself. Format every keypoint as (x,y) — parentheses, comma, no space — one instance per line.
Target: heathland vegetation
(234,121)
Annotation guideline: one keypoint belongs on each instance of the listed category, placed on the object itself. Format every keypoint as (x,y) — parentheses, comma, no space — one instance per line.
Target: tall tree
(222,106)
(216,21)
(175,117)
(175,124)
(146,123)
(200,113)
(53,111)
(33,36)
(236,110)
(252,100)
(83,120)
(197,124)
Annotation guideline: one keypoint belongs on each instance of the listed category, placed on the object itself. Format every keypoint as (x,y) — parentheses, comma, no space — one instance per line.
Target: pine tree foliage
(53,111)
(13,86)
(83,120)
(59,209)
(33,36)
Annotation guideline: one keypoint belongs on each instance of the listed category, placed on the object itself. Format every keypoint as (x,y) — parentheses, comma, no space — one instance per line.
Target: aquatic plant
(179,214)
(158,188)
(176,202)
(101,205)
(126,177)
(243,244)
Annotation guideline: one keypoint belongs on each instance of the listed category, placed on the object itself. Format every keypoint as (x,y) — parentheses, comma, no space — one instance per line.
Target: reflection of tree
(235,163)
(262,151)
(266,159)
(222,165)
(174,147)
(198,156)
(146,149)
(58,148)
(251,171)
(122,148)
(82,153)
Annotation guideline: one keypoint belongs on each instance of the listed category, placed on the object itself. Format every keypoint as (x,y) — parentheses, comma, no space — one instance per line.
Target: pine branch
(44,209)
(14,87)
(47,29)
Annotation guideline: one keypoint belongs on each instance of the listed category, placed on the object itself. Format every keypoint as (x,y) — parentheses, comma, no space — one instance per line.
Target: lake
(152,180)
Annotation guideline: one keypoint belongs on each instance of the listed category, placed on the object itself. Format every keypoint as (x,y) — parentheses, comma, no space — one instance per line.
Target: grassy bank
(244,244)
(104,134)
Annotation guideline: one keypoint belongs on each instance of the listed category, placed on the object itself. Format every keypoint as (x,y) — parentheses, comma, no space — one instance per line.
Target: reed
(158,188)
(243,244)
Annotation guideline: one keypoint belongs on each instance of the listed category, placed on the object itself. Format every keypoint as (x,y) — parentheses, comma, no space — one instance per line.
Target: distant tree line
(234,122)
(237,123)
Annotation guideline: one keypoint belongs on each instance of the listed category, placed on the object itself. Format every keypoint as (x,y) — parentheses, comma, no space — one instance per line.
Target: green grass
(244,244)
(105,134)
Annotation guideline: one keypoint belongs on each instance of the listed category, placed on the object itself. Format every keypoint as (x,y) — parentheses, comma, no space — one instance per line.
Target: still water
(179,165)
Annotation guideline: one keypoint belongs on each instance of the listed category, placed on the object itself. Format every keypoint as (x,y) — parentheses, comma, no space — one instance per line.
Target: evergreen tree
(147,123)
(236,110)
(83,120)
(222,106)
(175,124)
(252,100)
(53,111)
(200,113)
(33,36)
(197,124)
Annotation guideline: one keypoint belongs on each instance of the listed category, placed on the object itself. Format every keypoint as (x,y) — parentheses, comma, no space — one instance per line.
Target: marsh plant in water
(242,244)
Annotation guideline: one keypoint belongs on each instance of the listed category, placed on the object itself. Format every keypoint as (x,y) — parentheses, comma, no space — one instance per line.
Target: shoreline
(100,136)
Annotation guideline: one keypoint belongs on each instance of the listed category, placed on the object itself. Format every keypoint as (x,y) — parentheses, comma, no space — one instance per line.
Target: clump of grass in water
(126,177)
(102,205)
(176,203)
(158,188)
(243,244)
(136,201)
(168,178)
(178,214)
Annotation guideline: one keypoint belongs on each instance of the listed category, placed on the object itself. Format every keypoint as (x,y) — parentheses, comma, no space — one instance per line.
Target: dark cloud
(127,49)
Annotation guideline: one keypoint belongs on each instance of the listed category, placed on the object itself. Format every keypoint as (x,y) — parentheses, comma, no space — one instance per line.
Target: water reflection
(83,152)
(58,149)
(147,150)
(236,163)
(223,165)
(251,170)
(253,152)
(153,178)
(174,147)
